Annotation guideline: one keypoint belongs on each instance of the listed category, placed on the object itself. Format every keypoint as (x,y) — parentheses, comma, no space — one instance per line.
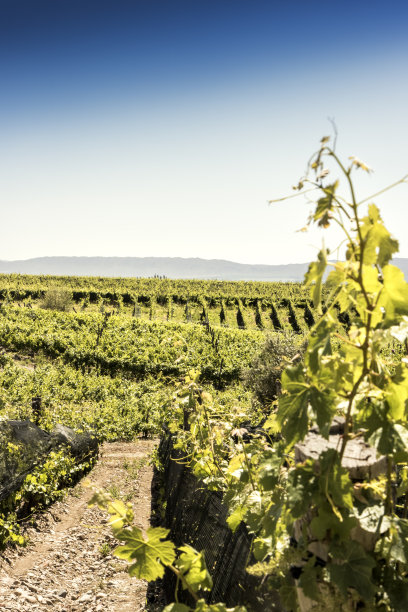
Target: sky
(163,128)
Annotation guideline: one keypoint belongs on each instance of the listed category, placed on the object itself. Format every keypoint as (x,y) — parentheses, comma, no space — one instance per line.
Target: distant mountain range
(171,267)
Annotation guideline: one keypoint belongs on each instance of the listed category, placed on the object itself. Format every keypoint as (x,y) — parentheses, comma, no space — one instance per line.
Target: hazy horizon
(152,257)
(156,129)
(169,267)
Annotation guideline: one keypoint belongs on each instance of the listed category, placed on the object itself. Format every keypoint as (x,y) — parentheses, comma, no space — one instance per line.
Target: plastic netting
(197,517)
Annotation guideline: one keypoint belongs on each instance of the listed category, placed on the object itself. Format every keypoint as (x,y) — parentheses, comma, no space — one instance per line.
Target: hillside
(171,267)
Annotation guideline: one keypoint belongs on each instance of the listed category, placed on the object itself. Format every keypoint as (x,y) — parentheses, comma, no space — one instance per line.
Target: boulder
(81,445)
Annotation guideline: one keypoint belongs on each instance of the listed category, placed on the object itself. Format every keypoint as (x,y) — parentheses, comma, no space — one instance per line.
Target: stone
(85,598)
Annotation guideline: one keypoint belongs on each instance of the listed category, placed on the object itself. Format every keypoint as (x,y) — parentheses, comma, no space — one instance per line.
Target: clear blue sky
(148,128)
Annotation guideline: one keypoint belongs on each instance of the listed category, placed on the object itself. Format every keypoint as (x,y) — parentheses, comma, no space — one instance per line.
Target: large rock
(81,445)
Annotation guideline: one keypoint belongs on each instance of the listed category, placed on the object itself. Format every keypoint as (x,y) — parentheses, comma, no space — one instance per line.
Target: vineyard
(281,479)
(244,305)
(109,360)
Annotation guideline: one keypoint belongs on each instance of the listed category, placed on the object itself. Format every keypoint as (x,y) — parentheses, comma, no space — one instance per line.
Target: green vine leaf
(261,547)
(288,595)
(379,246)
(328,523)
(177,607)
(334,479)
(394,296)
(315,275)
(302,488)
(293,405)
(268,471)
(391,438)
(299,395)
(325,206)
(397,394)
(396,587)
(151,553)
(395,545)
(308,580)
(353,568)
(236,517)
(193,567)
(319,344)
(120,514)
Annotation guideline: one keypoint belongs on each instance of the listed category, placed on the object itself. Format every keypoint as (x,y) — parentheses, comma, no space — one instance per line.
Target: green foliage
(356,382)
(202,606)
(193,568)
(149,555)
(128,346)
(165,300)
(105,549)
(353,569)
(41,487)
(57,299)
(21,287)
(350,534)
(113,407)
(264,375)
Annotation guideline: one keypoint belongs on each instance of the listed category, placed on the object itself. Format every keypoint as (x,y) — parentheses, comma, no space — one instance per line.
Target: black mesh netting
(197,517)
(24,446)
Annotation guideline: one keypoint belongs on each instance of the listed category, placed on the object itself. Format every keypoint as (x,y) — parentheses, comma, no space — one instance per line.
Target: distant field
(145,286)
(262,306)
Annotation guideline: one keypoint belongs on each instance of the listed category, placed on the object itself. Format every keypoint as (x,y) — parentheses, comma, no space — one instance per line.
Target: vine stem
(184,582)
(404,179)
(215,460)
(247,463)
(388,501)
(370,307)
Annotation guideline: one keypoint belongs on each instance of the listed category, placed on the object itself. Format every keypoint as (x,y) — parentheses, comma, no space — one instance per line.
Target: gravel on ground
(68,564)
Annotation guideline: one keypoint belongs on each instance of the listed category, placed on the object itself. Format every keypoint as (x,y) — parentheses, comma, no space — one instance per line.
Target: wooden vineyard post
(36,409)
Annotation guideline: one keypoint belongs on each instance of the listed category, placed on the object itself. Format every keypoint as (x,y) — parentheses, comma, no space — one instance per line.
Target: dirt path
(67,565)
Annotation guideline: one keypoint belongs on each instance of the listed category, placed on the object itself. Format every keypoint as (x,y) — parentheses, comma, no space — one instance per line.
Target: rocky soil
(68,565)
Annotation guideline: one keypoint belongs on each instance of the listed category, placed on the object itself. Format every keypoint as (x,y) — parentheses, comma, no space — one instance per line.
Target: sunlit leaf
(192,565)
(394,296)
(148,555)
(379,245)
(314,275)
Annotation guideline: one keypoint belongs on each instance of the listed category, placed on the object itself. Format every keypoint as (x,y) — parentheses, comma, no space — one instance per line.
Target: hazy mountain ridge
(172,267)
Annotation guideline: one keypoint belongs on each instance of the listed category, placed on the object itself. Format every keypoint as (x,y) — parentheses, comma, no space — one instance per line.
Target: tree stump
(359,458)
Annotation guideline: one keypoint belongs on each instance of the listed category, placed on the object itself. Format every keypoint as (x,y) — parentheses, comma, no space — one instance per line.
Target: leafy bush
(264,375)
(57,299)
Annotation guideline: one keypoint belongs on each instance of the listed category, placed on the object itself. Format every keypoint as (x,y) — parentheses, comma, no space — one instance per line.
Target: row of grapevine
(23,286)
(116,343)
(262,314)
